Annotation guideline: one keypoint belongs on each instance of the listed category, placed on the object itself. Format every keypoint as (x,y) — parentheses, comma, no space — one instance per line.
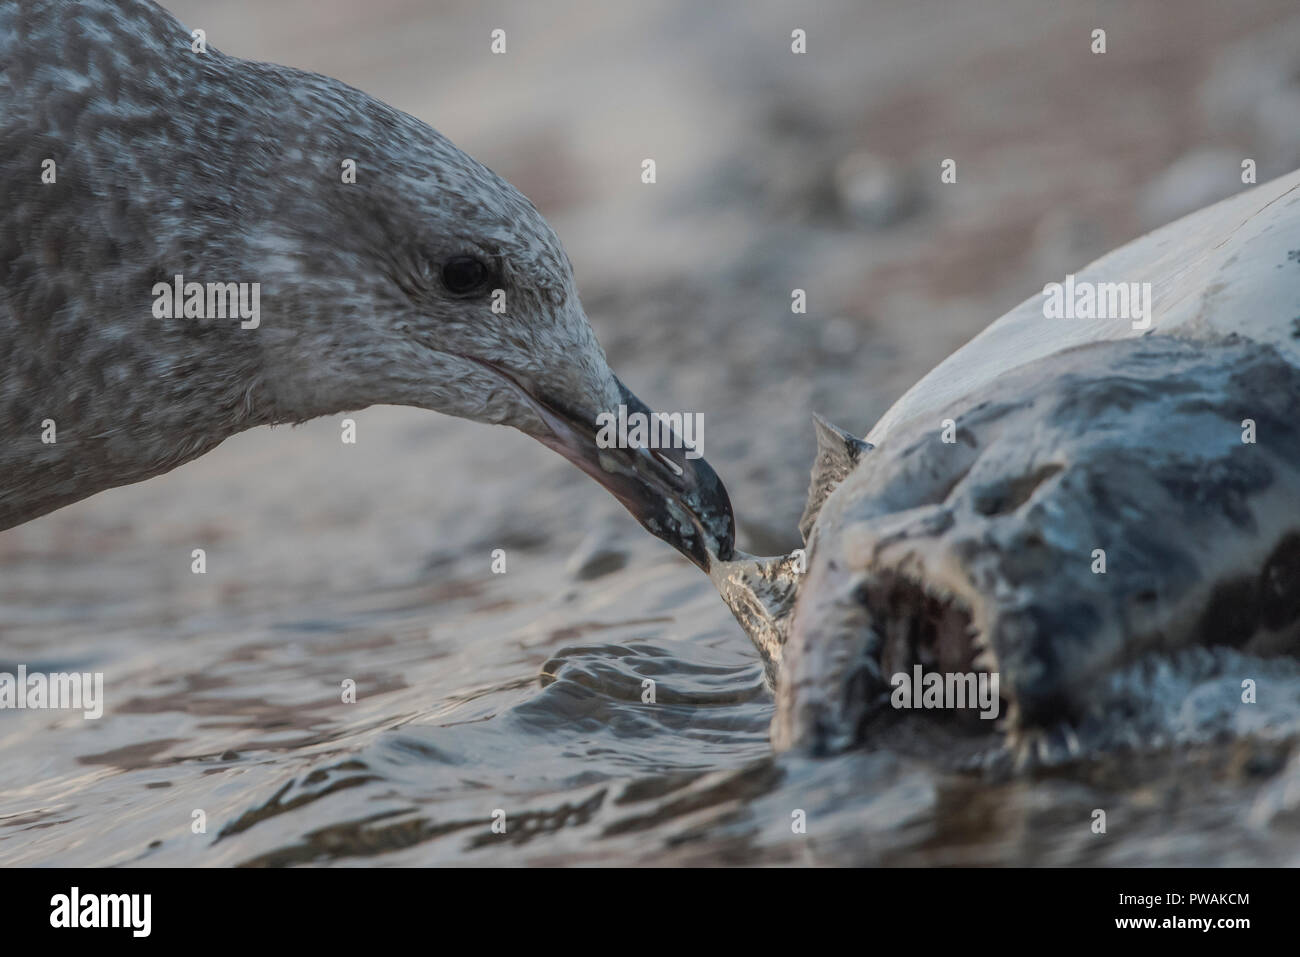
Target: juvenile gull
(127,160)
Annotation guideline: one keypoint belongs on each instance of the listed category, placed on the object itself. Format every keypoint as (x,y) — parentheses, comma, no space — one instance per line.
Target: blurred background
(775,172)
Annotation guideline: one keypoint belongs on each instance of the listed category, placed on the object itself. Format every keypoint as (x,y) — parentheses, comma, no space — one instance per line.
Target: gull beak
(678,499)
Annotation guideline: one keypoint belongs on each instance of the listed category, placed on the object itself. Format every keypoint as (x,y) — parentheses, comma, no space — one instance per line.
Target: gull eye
(463,275)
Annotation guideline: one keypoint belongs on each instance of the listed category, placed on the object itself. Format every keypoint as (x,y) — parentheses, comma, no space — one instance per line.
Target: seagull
(192,245)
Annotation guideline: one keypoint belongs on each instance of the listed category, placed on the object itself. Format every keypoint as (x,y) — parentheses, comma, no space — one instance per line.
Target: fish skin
(1070,436)
(1131,447)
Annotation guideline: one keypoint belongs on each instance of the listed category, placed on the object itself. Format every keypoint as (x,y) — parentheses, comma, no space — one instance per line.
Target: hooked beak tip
(669,488)
(676,497)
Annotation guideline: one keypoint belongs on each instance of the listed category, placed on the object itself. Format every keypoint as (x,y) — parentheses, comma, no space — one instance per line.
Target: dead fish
(1060,498)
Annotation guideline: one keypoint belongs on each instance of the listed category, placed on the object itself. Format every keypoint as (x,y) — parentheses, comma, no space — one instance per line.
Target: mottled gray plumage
(224,170)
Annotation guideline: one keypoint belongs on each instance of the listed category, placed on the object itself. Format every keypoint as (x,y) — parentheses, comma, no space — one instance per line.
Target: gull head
(399,270)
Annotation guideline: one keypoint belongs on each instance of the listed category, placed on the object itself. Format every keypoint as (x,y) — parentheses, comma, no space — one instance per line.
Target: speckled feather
(224,170)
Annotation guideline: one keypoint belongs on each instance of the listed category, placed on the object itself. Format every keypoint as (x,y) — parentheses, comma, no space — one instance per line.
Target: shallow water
(480,694)
(522,692)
